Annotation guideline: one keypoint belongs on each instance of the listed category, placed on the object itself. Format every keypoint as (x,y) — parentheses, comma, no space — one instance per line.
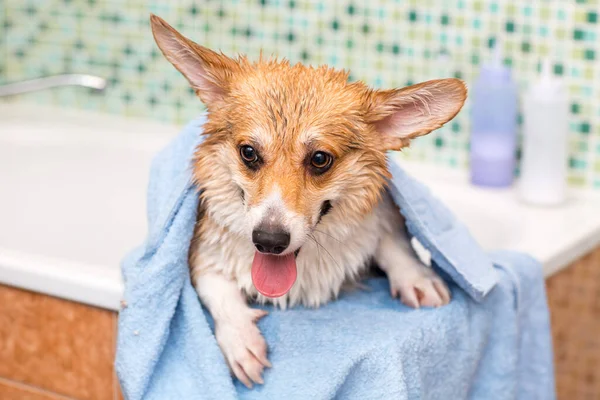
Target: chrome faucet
(90,81)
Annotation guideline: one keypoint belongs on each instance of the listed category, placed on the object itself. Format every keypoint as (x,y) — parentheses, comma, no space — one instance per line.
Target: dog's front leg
(415,283)
(238,336)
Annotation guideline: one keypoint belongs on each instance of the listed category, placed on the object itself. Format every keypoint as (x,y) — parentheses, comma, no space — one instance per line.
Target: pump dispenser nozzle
(548,86)
(495,68)
(497,58)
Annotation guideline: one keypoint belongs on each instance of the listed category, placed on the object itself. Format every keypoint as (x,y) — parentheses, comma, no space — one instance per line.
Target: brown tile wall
(56,345)
(574,300)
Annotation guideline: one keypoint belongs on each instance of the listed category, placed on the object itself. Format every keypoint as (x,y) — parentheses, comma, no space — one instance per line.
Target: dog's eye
(321,161)
(248,154)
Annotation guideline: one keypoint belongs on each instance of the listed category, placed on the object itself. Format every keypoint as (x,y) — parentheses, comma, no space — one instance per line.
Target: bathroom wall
(385,42)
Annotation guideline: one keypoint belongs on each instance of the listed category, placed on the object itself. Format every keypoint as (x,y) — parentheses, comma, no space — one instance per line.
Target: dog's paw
(419,286)
(244,348)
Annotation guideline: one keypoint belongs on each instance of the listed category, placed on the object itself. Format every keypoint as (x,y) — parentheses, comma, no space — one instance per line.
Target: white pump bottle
(544,151)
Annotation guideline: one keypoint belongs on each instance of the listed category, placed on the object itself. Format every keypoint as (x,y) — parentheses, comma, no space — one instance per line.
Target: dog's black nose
(273,241)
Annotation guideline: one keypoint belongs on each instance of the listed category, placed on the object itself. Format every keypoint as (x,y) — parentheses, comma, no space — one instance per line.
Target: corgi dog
(292,176)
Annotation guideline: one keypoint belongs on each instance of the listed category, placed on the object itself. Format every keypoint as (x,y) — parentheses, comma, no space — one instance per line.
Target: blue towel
(491,342)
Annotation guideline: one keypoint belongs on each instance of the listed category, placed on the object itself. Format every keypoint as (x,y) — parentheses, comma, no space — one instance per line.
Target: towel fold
(492,341)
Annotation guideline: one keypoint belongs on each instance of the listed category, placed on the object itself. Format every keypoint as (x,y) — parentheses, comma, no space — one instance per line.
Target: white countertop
(73,198)
(73,203)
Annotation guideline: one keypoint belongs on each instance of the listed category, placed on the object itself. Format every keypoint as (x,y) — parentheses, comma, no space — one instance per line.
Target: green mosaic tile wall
(384,42)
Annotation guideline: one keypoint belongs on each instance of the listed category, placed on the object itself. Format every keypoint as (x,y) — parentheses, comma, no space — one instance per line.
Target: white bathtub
(72,203)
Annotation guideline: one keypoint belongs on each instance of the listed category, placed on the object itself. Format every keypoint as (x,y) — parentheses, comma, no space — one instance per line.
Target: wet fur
(287,112)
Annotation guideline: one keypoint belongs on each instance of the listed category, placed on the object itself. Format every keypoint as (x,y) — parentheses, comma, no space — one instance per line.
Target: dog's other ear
(208,72)
(402,114)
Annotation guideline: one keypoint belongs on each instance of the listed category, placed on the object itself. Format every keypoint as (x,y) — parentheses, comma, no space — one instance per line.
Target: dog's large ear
(207,71)
(402,114)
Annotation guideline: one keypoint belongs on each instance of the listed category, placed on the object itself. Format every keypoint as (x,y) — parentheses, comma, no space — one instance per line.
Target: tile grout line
(115,328)
(34,389)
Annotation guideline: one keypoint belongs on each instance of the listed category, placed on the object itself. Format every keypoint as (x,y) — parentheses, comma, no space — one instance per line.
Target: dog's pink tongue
(273,276)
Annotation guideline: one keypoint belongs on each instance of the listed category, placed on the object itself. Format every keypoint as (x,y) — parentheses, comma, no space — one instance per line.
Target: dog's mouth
(273,276)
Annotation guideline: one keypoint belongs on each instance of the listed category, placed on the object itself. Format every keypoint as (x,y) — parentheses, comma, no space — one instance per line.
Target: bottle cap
(495,68)
(548,86)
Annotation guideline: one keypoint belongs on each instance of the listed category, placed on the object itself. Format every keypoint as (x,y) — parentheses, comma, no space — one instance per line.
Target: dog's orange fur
(274,100)
(253,102)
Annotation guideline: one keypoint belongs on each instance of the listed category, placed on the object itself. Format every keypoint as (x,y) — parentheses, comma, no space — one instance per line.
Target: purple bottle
(494,104)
